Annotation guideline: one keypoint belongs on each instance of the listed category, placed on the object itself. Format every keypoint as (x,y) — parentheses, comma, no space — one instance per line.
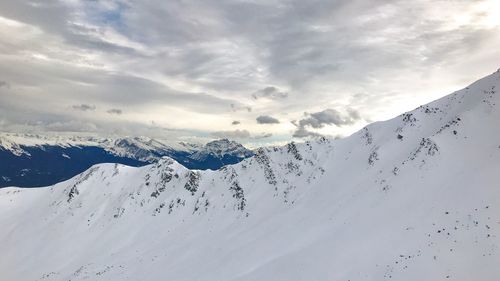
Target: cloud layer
(191,68)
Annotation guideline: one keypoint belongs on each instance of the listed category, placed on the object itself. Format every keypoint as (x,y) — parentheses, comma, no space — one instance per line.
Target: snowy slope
(412,198)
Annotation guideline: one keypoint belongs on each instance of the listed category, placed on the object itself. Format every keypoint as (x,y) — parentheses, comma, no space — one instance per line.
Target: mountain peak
(222,148)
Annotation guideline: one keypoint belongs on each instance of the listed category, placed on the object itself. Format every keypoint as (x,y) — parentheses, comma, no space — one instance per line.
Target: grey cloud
(4,84)
(320,119)
(330,117)
(236,134)
(235,122)
(302,132)
(115,111)
(265,119)
(270,93)
(84,107)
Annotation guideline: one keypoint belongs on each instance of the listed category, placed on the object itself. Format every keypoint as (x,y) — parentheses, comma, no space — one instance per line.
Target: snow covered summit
(223,151)
(416,197)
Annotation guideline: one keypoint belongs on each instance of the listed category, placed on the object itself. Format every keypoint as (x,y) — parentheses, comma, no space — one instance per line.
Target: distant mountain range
(29,160)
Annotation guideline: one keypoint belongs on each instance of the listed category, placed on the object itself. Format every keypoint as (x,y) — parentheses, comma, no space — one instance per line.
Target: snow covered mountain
(140,148)
(220,153)
(37,160)
(412,198)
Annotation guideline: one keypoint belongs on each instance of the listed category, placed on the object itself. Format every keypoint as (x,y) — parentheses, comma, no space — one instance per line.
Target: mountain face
(218,153)
(33,160)
(412,198)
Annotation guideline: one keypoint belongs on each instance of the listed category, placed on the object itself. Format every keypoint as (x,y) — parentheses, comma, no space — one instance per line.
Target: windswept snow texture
(413,198)
(33,160)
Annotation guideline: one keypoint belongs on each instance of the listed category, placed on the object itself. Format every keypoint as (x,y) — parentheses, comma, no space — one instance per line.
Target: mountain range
(31,160)
(416,198)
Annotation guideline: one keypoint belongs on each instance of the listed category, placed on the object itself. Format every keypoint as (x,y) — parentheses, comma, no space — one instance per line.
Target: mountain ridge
(37,160)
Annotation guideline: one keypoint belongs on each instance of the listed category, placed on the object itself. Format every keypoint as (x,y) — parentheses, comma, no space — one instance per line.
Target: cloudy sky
(257,71)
